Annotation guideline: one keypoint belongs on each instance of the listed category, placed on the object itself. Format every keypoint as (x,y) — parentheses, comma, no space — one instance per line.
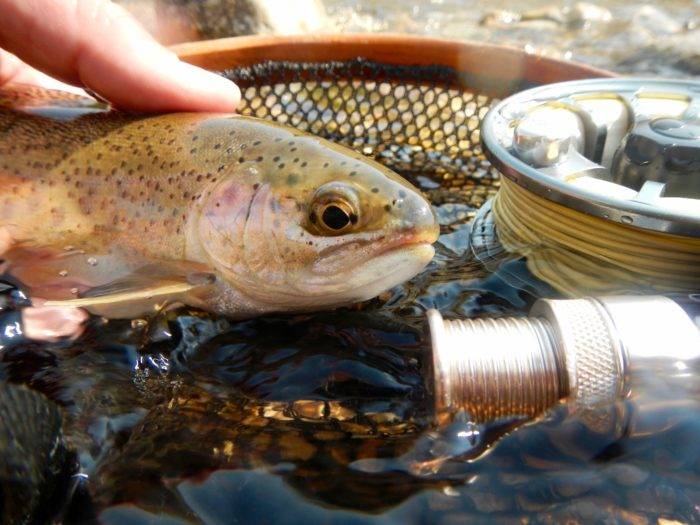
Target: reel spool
(601,186)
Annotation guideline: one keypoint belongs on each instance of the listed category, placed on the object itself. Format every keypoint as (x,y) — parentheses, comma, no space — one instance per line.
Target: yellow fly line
(579,254)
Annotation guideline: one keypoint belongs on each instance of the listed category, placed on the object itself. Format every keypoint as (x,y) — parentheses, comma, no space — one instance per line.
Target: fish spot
(304,164)
(280,165)
(326,164)
(256,143)
(256,186)
(292,179)
(217,146)
(276,159)
(375,190)
(387,207)
(259,159)
(296,160)
(353,173)
(241,160)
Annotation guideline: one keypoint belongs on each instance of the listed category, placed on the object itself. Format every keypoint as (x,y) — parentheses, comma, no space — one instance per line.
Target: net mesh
(420,121)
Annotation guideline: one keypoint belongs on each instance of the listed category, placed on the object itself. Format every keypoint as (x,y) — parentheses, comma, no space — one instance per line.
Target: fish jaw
(389,262)
(383,272)
(364,282)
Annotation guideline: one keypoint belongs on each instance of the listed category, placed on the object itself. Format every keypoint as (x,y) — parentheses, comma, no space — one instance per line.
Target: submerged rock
(173,21)
(35,464)
(578,16)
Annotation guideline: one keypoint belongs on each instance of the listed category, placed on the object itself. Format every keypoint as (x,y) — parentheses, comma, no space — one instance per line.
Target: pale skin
(96,45)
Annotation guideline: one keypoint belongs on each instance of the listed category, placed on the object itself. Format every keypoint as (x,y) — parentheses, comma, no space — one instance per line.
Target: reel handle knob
(662,149)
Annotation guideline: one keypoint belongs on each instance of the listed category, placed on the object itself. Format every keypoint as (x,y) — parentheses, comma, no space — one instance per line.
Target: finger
(98,45)
(51,324)
(12,69)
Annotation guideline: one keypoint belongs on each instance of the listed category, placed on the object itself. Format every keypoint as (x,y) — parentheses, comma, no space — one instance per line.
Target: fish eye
(334,210)
(333,218)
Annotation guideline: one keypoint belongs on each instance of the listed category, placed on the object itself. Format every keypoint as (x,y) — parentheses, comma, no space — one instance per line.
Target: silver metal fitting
(589,351)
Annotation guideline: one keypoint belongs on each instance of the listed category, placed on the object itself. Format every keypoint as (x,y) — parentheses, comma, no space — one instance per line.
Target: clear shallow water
(646,38)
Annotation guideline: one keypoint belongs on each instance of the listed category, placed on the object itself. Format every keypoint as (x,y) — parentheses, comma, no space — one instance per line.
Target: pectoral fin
(104,281)
(62,271)
(146,291)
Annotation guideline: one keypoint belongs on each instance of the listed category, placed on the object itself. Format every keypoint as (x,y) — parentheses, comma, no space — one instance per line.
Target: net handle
(494,70)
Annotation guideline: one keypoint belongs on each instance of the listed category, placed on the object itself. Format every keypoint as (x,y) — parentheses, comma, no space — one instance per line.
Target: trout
(122,214)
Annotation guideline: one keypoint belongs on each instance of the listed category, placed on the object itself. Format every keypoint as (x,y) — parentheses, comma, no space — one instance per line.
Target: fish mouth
(411,238)
(395,262)
(353,273)
(387,269)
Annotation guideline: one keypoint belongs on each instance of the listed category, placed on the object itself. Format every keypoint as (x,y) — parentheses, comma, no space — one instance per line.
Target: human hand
(97,45)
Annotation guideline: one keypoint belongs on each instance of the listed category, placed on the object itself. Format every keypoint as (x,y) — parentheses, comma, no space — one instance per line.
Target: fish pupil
(335,218)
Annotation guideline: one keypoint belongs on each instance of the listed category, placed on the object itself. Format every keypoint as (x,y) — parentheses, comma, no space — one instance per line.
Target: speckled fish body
(229,213)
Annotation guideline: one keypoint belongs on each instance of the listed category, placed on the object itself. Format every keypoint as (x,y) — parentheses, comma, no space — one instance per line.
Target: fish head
(312,225)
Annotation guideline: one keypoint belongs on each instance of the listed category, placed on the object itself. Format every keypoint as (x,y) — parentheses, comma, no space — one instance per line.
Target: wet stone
(309,409)
(586,511)
(631,518)
(294,448)
(488,502)
(626,474)
(450,214)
